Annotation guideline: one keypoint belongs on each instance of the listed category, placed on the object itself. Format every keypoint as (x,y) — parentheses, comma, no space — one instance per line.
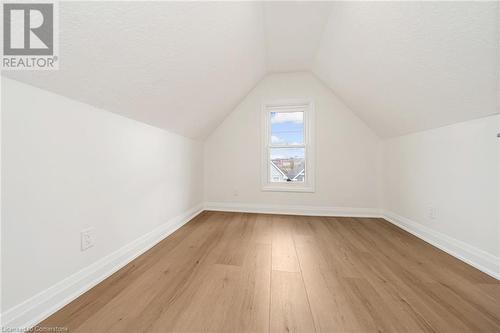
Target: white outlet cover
(87,238)
(432,212)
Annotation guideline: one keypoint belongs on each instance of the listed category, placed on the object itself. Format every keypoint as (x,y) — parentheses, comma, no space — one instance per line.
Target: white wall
(67,166)
(347,151)
(455,169)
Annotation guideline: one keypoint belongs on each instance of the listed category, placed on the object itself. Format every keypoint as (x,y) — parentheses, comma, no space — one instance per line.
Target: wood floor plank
(263,230)
(236,240)
(239,272)
(249,309)
(330,307)
(408,292)
(476,320)
(284,257)
(290,311)
(338,252)
(210,306)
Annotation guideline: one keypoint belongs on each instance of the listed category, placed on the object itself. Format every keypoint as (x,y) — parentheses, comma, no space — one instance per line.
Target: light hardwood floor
(232,272)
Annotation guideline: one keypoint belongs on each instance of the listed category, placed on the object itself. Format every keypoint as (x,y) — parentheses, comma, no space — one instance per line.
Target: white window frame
(289,105)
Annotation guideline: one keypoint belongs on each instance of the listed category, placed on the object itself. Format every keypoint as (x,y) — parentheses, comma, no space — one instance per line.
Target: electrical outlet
(236,192)
(87,238)
(432,212)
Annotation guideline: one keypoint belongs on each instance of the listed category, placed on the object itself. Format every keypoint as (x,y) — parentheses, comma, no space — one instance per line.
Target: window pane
(287,128)
(287,165)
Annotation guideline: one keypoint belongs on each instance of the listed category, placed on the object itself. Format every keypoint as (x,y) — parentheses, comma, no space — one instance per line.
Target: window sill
(290,188)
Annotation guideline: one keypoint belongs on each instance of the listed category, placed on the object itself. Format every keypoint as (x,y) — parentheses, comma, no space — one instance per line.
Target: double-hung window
(288,150)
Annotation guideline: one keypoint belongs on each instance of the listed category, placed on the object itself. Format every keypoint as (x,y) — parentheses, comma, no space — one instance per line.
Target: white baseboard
(471,255)
(47,302)
(292,210)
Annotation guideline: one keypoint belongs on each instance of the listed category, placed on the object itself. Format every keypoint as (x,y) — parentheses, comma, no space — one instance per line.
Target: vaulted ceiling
(409,66)
(183,66)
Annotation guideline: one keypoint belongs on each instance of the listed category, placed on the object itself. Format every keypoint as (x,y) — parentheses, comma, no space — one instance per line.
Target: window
(288,151)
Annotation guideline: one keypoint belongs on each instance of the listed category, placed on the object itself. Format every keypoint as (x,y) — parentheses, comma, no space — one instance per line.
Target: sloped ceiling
(293,32)
(183,66)
(409,66)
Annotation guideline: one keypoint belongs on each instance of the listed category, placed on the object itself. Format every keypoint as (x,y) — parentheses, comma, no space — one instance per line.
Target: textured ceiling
(183,66)
(409,66)
(293,32)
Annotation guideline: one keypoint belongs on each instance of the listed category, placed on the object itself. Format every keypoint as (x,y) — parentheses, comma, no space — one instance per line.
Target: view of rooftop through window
(287,151)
